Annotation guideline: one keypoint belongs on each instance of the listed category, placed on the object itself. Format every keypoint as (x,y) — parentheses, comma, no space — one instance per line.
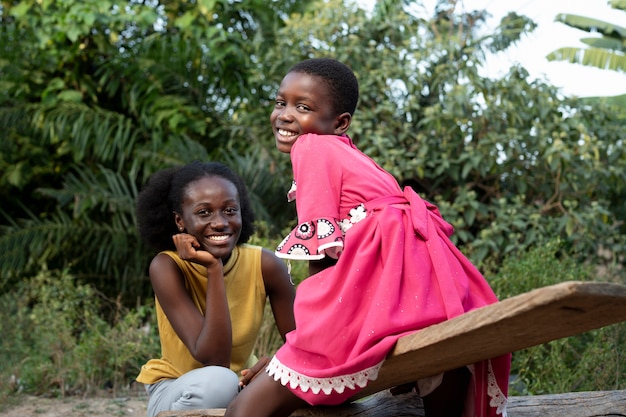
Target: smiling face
(211,212)
(304,104)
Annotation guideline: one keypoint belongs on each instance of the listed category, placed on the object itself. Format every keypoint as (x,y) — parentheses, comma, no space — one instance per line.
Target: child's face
(211,212)
(303,105)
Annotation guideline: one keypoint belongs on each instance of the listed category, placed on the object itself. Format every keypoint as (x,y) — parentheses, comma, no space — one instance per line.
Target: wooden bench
(383,404)
(519,322)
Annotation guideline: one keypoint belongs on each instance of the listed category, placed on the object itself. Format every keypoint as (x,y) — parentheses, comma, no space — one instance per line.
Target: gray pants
(208,387)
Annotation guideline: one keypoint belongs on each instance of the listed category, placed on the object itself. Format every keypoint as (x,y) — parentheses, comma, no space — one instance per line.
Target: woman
(210,286)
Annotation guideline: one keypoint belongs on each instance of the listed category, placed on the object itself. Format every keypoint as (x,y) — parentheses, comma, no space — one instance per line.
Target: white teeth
(219,238)
(285,133)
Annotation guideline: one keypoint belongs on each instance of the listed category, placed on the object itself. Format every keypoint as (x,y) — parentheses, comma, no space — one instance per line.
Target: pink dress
(397,272)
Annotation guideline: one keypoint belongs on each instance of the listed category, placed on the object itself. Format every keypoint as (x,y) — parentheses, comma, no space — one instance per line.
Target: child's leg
(264,397)
(448,399)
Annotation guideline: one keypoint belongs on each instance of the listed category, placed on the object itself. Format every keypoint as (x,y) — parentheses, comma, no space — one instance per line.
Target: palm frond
(93,230)
(103,191)
(86,132)
(618,4)
(591,25)
(605,43)
(593,57)
(27,243)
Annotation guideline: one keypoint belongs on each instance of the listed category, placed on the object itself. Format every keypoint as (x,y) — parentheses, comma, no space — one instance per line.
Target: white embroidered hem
(498,399)
(339,383)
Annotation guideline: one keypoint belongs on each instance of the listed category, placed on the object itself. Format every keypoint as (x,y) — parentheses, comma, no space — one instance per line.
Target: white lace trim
(498,399)
(339,383)
(291,194)
(356,215)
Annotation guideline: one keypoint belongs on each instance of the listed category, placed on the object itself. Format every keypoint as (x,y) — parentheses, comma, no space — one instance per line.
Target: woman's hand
(206,334)
(188,248)
(248,375)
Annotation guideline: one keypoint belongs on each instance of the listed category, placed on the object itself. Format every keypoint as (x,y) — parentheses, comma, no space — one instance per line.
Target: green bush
(56,341)
(61,337)
(587,362)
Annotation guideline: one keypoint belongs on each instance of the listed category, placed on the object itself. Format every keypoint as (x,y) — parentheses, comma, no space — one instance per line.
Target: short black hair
(340,79)
(163,195)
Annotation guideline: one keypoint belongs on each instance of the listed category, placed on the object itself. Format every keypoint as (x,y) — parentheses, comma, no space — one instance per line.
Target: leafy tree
(508,162)
(89,110)
(95,97)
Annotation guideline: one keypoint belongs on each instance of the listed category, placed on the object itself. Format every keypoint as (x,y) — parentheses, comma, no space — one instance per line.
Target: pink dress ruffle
(397,272)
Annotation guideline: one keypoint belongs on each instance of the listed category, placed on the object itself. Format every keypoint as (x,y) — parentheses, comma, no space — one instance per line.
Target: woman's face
(212,213)
(303,105)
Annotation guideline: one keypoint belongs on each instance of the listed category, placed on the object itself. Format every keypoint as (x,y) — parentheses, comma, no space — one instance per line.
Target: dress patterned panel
(330,206)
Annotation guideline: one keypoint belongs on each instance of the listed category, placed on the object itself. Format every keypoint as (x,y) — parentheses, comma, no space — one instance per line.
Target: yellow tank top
(245,291)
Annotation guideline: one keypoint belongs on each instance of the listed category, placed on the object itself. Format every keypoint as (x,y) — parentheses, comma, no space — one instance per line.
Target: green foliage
(107,94)
(587,362)
(593,361)
(97,96)
(96,234)
(56,341)
(509,162)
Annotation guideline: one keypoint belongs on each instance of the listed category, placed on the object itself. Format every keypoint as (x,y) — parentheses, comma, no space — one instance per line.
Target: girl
(381,265)
(210,286)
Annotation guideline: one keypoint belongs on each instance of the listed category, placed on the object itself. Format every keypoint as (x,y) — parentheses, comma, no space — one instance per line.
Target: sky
(530,52)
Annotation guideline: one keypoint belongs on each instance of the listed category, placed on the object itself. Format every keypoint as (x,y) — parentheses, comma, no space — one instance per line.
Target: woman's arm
(281,293)
(208,337)
(280,290)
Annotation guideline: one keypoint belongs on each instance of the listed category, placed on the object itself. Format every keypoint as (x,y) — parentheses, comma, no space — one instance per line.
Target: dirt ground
(101,406)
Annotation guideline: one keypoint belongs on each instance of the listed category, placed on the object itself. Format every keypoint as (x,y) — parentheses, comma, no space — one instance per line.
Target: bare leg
(448,399)
(264,397)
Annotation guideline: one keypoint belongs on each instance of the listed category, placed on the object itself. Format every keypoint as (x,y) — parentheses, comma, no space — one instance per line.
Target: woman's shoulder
(264,254)
(269,265)
(251,255)
(171,253)
(249,249)
(165,256)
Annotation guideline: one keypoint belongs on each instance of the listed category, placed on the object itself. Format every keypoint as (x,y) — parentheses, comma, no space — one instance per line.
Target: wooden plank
(383,404)
(519,322)
(573,404)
